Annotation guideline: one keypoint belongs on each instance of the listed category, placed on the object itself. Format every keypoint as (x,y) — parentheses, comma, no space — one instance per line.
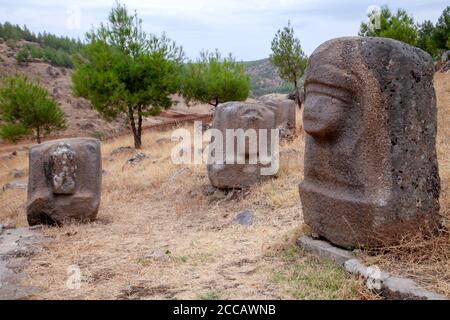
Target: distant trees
(288,57)
(53,49)
(122,70)
(57,57)
(23,56)
(401,26)
(441,33)
(214,79)
(425,38)
(26,106)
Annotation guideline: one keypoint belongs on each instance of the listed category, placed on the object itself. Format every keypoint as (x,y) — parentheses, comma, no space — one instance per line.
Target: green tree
(400,26)
(288,57)
(122,70)
(214,79)
(23,56)
(425,38)
(441,33)
(26,106)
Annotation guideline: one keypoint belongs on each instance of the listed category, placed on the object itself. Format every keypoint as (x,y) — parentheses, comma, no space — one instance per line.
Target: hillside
(264,78)
(81,118)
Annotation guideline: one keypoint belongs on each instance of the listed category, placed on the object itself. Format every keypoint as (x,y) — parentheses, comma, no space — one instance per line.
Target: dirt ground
(427,259)
(162,234)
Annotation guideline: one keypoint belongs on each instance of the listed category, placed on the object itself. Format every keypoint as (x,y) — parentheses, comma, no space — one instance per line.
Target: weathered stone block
(64,181)
(284,107)
(371,173)
(241,171)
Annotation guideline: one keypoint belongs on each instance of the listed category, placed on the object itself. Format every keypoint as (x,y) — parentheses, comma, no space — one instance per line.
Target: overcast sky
(242,27)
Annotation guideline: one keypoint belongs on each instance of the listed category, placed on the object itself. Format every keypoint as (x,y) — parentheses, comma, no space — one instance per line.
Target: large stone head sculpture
(64,181)
(242,116)
(371,172)
(285,109)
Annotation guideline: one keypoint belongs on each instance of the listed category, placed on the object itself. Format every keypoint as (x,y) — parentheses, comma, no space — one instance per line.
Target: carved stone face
(64,167)
(327,101)
(64,181)
(244,119)
(256,117)
(324,109)
(370,167)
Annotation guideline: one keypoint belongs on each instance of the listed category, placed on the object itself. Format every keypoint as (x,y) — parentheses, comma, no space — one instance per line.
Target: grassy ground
(160,235)
(427,259)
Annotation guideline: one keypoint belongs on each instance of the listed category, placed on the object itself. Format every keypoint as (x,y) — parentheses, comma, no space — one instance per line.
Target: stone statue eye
(337,93)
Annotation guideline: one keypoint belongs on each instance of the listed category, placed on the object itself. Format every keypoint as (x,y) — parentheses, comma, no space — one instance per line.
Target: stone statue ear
(63,169)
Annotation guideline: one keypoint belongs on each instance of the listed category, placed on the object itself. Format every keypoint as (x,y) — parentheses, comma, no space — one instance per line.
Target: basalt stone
(284,109)
(64,182)
(243,166)
(370,171)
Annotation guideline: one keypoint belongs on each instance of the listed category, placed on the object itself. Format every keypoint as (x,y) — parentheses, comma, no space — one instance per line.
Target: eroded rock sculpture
(64,181)
(370,173)
(285,110)
(241,171)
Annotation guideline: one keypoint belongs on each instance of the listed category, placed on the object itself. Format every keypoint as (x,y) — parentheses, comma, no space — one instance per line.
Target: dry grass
(426,259)
(204,254)
(13,201)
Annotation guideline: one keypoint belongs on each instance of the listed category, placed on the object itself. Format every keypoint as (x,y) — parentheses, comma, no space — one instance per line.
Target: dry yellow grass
(13,201)
(427,259)
(204,254)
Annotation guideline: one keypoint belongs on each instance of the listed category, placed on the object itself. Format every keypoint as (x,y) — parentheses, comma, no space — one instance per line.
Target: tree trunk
(297,95)
(136,133)
(139,129)
(38,134)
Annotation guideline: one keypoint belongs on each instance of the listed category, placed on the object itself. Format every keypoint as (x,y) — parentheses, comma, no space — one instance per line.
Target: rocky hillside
(81,118)
(264,78)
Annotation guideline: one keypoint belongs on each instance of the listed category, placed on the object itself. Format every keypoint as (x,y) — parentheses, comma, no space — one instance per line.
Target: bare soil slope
(81,119)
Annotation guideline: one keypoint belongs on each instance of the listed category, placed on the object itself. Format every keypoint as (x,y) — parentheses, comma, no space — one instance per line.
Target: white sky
(244,28)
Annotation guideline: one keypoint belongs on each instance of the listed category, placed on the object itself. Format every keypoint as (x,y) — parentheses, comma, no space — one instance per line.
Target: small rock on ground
(16,185)
(138,157)
(17,246)
(244,218)
(157,254)
(121,150)
(16,173)
(163,140)
(180,172)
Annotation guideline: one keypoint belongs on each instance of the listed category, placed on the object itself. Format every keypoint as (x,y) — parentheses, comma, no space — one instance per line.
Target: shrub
(213,80)
(23,56)
(26,106)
